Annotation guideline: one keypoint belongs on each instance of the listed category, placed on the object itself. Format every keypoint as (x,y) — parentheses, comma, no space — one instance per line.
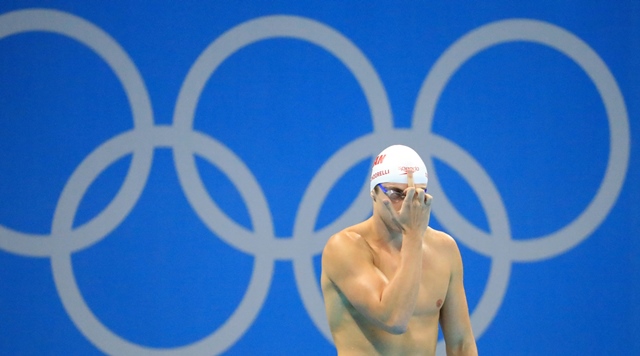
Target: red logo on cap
(379,159)
(406,170)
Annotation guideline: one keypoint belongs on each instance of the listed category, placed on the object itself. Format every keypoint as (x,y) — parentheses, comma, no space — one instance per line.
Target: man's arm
(388,304)
(454,316)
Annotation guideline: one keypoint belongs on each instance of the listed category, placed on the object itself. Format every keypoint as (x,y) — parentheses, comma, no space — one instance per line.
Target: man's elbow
(396,329)
(395,325)
(464,347)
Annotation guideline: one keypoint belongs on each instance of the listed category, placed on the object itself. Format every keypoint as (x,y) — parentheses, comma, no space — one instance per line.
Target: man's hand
(413,217)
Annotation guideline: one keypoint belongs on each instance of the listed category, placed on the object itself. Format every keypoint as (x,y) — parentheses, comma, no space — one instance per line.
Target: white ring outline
(105,339)
(573,47)
(39,245)
(212,57)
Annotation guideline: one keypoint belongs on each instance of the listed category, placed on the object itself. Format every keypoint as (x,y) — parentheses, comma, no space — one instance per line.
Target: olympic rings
(305,242)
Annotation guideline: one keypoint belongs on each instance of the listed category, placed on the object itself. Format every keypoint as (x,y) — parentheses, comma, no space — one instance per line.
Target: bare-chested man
(389,280)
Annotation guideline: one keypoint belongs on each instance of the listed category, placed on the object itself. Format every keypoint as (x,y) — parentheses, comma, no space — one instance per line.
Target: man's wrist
(412,235)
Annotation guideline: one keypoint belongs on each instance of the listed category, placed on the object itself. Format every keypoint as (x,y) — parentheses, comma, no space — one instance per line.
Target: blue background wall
(169,171)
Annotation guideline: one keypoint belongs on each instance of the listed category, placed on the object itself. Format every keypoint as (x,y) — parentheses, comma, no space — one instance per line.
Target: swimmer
(390,280)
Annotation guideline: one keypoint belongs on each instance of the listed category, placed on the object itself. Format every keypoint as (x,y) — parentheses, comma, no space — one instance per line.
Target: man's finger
(410,177)
(410,193)
(394,215)
(428,199)
(421,195)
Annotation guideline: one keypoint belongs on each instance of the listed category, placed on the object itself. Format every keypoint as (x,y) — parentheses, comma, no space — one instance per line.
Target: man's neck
(382,235)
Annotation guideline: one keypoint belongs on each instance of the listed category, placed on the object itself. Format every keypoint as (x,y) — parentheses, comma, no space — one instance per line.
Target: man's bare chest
(434,281)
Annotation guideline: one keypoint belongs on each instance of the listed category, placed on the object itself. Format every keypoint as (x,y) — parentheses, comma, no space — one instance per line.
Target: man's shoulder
(344,251)
(347,238)
(442,239)
(447,246)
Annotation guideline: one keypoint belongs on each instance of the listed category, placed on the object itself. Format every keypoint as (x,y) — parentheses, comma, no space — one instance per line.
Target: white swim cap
(392,165)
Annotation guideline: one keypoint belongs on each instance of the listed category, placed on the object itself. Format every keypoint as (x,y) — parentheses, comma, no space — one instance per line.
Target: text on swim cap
(408,169)
(379,174)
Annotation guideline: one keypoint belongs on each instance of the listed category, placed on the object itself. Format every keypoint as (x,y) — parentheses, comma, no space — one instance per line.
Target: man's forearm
(398,299)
